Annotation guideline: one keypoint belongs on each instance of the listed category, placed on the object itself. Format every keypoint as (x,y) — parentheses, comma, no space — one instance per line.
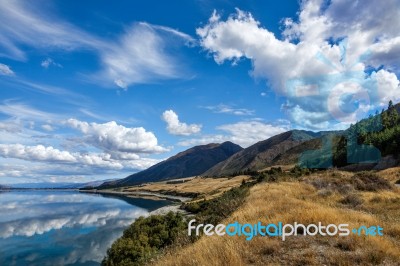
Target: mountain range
(226,159)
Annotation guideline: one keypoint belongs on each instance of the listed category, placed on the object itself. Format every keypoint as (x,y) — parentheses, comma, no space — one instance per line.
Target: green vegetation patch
(144,239)
(147,237)
(215,210)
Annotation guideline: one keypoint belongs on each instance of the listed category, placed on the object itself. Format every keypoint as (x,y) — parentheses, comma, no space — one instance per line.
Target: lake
(43,227)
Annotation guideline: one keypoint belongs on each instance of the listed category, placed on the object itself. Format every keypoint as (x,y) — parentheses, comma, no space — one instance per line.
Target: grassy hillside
(261,154)
(327,197)
(296,195)
(200,187)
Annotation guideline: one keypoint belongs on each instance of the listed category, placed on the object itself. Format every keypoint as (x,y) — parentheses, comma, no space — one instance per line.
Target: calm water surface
(64,227)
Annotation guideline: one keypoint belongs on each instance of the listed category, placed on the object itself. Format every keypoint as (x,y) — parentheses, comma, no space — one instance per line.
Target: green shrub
(214,210)
(144,238)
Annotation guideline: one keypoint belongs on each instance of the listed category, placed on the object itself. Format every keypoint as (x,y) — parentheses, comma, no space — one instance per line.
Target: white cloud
(98,149)
(10,126)
(329,44)
(35,153)
(175,127)
(49,62)
(49,154)
(244,133)
(112,137)
(6,70)
(47,127)
(25,112)
(30,28)
(388,87)
(139,55)
(226,109)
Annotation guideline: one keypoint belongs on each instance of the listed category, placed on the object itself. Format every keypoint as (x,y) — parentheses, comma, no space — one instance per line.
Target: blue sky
(96,90)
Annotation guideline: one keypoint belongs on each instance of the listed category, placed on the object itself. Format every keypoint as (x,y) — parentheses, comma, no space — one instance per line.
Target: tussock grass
(204,188)
(305,202)
(391,174)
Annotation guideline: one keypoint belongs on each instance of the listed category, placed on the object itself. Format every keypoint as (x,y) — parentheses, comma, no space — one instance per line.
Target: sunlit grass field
(328,197)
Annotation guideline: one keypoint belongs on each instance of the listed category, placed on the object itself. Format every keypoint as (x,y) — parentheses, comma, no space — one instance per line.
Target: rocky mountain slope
(191,162)
(263,153)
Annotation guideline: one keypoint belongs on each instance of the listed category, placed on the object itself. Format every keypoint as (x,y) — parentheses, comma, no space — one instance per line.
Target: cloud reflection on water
(62,228)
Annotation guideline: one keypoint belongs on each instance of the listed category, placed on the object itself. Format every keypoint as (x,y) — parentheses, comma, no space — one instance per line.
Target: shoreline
(140,194)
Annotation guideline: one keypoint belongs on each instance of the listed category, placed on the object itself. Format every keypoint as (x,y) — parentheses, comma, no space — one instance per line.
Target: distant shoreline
(29,189)
(140,194)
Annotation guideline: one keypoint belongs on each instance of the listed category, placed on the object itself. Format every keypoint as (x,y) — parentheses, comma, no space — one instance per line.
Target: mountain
(91,184)
(191,162)
(263,153)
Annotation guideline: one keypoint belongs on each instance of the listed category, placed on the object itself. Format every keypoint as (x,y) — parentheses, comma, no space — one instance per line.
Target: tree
(385,120)
(390,105)
(393,115)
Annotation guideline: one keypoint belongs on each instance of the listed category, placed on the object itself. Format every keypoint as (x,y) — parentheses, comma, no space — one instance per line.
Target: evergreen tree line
(379,133)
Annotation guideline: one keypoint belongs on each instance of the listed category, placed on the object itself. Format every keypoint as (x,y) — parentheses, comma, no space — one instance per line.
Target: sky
(95,90)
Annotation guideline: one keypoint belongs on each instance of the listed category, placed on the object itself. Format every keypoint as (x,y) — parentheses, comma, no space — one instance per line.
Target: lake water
(64,227)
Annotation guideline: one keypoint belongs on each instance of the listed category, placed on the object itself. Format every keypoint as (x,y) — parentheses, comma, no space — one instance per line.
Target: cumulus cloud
(6,70)
(329,44)
(175,127)
(112,137)
(244,133)
(388,86)
(227,109)
(35,153)
(49,154)
(96,149)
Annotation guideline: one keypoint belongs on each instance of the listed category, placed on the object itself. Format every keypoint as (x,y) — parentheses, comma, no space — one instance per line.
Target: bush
(368,181)
(320,183)
(193,207)
(144,238)
(325,193)
(215,210)
(352,200)
(346,244)
(298,171)
(147,237)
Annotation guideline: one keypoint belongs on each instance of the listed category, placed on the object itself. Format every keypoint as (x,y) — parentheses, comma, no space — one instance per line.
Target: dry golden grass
(206,187)
(301,202)
(391,174)
(285,167)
